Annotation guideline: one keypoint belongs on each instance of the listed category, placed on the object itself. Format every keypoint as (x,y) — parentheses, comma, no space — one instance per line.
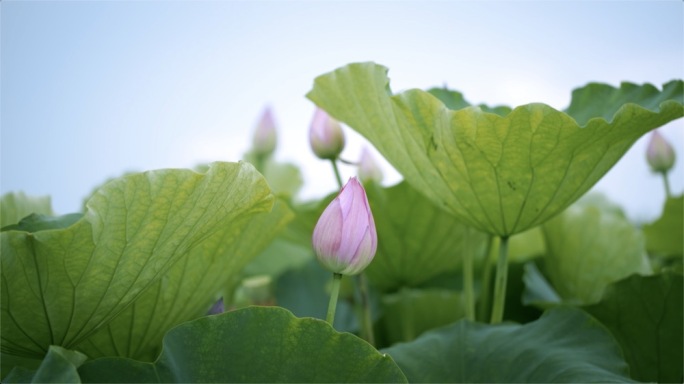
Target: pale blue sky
(92,89)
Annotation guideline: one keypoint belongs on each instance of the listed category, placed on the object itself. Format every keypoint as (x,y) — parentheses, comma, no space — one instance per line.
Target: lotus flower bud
(369,170)
(344,238)
(325,135)
(264,141)
(659,153)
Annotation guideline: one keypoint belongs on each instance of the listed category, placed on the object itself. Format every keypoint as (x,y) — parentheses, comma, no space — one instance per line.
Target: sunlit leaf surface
(60,286)
(500,173)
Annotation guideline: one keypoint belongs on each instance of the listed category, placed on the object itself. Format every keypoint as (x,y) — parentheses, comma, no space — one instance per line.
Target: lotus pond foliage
(489,262)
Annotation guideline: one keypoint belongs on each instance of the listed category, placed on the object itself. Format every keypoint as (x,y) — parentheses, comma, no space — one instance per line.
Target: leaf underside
(505,173)
(60,286)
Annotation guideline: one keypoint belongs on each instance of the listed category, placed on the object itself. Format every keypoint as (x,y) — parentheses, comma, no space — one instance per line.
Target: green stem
(366,321)
(335,291)
(486,281)
(468,290)
(668,192)
(500,284)
(407,319)
(337,172)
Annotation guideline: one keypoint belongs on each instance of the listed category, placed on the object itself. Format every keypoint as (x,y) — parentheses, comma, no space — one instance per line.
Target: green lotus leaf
(564,346)
(416,240)
(257,345)
(589,246)
(15,206)
(500,174)
(665,236)
(188,289)
(61,286)
(645,315)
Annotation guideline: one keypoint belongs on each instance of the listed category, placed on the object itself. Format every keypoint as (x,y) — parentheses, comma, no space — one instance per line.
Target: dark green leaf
(258,345)
(644,313)
(564,345)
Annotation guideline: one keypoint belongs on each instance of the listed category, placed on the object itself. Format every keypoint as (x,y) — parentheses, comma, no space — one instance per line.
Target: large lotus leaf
(645,315)
(589,246)
(416,240)
(665,236)
(257,345)
(501,174)
(187,290)
(60,286)
(16,205)
(564,345)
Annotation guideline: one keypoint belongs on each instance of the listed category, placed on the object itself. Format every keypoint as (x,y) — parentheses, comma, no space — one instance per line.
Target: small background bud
(264,141)
(659,153)
(325,135)
(369,169)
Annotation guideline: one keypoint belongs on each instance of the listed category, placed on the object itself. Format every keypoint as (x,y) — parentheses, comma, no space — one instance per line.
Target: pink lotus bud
(264,141)
(369,170)
(659,153)
(344,238)
(325,135)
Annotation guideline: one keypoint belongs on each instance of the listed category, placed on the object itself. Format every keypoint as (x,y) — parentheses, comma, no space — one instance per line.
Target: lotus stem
(366,320)
(468,290)
(501,280)
(666,181)
(486,281)
(334,293)
(337,172)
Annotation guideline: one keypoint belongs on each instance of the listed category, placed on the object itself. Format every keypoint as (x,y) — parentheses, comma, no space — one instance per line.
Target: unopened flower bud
(344,238)
(325,135)
(659,153)
(369,169)
(264,141)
